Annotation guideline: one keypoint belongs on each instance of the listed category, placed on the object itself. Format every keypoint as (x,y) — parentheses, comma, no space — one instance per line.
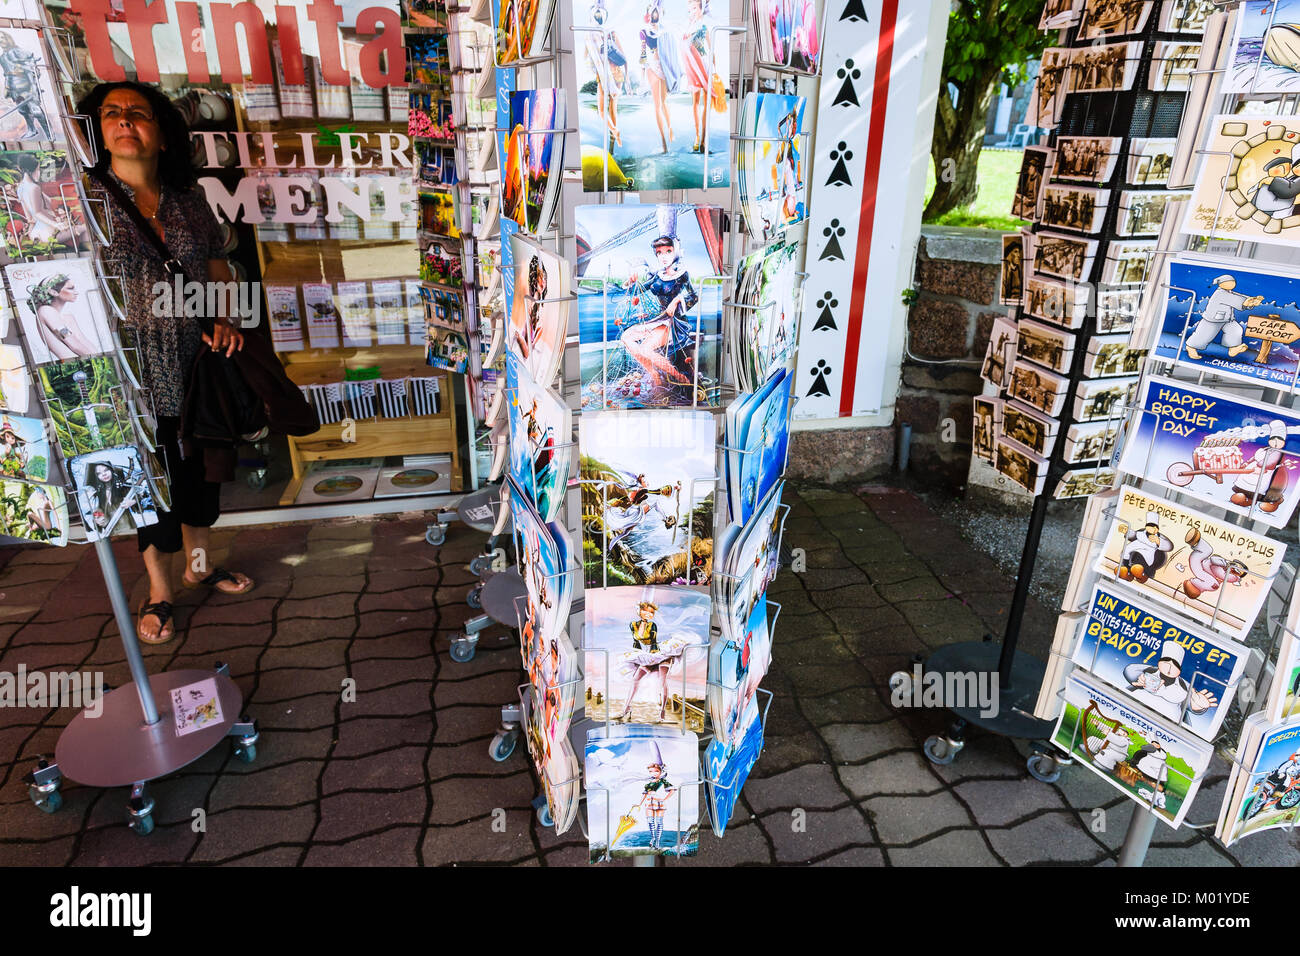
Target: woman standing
(145,152)
(697,57)
(659,57)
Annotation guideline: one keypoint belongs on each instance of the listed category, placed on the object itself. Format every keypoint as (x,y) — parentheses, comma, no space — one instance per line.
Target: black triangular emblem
(854,11)
(825,321)
(832,250)
(847,93)
(819,386)
(839,174)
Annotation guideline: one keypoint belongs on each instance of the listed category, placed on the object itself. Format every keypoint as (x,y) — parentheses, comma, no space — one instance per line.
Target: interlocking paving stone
(394,769)
(853,743)
(235,832)
(800,838)
(457,798)
(1051,837)
(895,773)
(856,856)
(475,841)
(395,847)
(289,784)
(343,816)
(810,786)
(996,803)
(906,819)
(741,844)
(356,736)
(954,848)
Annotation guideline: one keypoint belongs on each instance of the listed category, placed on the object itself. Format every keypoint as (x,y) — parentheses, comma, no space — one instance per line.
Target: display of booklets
(521,30)
(62,313)
(1028,428)
(1243,189)
(1225,452)
(401,480)
(727,766)
(24,449)
(1215,572)
(642,792)
(767,307)
(355,314)
(541,444)
(1231,319)
(112,494)
(87,404)
(747,562)
(757,440)
(788,34)
(644,68)
(986,413)
(1283,701)
(1144,757)
(1264,787)
(322,316)
(29,109)
(544,566)
(531,176)
(650,295)
(1089,159)
(552,667)
(349,482)
(33,512)
(539,310)
(41,212)
(1035,170)
(648,496)
(646,655)
(557,766)
(1011,280)
(1264,49)
(738,665)
(1114,18)
(283,307)
(771,167)
(1186,675)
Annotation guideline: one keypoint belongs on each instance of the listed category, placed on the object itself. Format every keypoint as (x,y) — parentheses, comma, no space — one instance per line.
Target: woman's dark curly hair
(174,167)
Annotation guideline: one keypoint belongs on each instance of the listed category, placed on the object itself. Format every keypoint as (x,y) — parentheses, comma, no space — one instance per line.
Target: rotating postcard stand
(134,739)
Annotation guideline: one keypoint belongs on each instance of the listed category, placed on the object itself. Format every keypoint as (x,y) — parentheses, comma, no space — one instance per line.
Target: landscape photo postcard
(1183,674)
(1246,188)
(650,284)
(652,98)
(1227,318)
(1215,572)
(541,442)
(646,655)
(1144,757)
(642,792)
(649,481)
(1226,452)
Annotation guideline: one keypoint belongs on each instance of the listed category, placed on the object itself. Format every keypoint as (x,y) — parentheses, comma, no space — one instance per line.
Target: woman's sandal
(218,577)
(161,610)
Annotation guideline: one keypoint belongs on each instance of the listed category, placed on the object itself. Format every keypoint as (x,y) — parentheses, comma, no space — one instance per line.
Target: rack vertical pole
(1138,838)
(126,627)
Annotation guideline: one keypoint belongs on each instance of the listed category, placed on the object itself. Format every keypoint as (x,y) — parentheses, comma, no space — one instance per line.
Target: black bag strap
(170,262)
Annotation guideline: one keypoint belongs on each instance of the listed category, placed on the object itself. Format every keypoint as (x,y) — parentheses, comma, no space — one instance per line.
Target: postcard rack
(585,181)
(1135,470)
(136,737)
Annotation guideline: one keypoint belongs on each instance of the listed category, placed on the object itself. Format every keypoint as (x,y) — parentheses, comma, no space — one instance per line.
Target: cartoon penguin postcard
(646,655)
(1225,318)
(650,295)
(1144,757)
(1182,673)
(1216,573)
(652,100)
(1247,187)
(642,792)
(1223,451)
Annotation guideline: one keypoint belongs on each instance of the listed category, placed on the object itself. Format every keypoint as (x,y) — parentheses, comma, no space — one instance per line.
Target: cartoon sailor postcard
(1247,187)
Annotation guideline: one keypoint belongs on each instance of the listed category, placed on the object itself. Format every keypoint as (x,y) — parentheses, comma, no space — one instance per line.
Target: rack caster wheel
(245,753)
(1044,768)
(475,598)
(142,825)
(480,565)
(46,802)
(941,750)
(544,816)
(435,535)
(256,479)
(462,650)
(503,745)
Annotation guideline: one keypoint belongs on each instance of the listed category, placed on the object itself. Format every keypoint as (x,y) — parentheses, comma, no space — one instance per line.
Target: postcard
(24,449)
(1001,353)
(1115,18)
(1086,158)
(650,294)
(1090,442)
(642,792)
(1216,573)
(61,309)
(773,187)
(1038,387)
(757,438)
(1141,212)
(1153,762)
(1062,303)
(112,494)
(987,413)
(29,103)
(648,494)
(196,707)
(541,442)
(1035,170)
(1150,161)
(42,214)
(1065,257)
(767,305)
(1044,345)
(538,320)
(1012,278)
(87,404)
(727,766)
(788,34)
(34,512)
(1226,452)
(1028,428)
(1267,796)
(1127,261)
(544,565)
(1077,208)
(535,155)
(1264,48)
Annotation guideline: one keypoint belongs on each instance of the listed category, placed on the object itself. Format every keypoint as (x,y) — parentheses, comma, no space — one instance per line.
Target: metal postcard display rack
(103,420)
(1133,470)
(555,67)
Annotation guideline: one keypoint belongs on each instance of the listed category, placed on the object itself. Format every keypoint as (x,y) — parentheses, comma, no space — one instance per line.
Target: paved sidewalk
(402,775)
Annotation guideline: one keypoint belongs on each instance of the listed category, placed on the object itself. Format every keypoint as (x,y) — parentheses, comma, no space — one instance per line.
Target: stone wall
(948,327)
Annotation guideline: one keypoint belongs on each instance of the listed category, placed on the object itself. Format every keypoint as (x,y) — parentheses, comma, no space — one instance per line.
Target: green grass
(998,171)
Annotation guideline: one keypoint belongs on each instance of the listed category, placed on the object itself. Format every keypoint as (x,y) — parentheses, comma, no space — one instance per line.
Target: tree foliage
(989,42)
